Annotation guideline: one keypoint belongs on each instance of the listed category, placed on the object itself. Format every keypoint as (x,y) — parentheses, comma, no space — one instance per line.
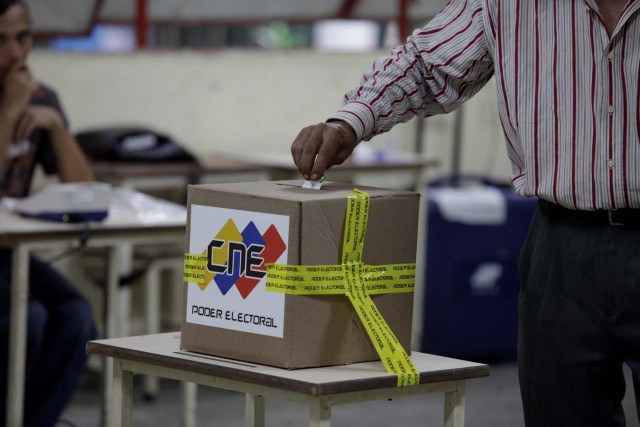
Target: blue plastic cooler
(472,279)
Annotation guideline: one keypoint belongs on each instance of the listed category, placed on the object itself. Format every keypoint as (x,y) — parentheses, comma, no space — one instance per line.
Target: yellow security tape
(329,279)
(392,355)
(388,347)
(195,269)
(358,282)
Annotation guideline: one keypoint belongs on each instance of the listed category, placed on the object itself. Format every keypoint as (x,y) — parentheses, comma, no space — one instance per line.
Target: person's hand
(17,89)
(37,117)
(318,147)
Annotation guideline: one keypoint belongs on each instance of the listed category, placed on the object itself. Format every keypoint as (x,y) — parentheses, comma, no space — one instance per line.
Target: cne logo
(238,258)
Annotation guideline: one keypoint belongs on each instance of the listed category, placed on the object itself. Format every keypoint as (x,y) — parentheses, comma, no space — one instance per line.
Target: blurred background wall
(243,75)
(236,100)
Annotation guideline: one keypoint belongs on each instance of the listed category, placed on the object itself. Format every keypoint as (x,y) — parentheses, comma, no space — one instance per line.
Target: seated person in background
(33,130)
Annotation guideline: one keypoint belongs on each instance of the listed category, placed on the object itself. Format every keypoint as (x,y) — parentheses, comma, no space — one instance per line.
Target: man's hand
(17,89)
(37,117)
(318,147)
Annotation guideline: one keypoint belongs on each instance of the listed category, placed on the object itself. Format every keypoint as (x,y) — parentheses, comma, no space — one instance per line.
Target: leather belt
(623,218)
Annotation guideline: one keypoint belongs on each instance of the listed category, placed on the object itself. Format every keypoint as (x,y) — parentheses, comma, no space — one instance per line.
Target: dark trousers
(59,325)
(579,319)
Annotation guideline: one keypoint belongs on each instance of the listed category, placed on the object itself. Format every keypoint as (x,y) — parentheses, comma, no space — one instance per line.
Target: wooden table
(320,388)
(124,226)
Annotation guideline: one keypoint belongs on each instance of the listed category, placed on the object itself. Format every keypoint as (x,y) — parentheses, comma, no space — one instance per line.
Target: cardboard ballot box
(240,227)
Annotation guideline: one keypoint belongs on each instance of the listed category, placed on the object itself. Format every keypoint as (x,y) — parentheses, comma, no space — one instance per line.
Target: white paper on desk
(87,201)
(148,210)
(231,299)
(8,203)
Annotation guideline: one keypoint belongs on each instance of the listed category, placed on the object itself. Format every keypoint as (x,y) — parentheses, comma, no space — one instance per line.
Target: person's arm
(17,89)
(440,67)
(71,163)
(6,134)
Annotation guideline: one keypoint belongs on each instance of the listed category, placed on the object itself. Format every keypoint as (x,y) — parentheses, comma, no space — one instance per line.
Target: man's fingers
(25,126)
(341,156)
(20,127)
(310,149)
(326,157)
(17,90)
(297,148)
(319,167)
(21,73)
(318,147)
(19,67)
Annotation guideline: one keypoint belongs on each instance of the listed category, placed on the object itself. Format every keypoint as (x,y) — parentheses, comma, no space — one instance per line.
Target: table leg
(189,402)
(17,335)
(319,413)
(123,294)
(110,319)
(121,401)
(152,319)
(454,406)
(254,410)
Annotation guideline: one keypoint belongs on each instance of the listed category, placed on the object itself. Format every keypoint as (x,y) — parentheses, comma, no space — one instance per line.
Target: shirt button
(610,54)
(610,109)
(610,163)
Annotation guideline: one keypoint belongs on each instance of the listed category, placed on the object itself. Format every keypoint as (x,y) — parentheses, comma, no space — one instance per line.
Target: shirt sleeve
(441,66)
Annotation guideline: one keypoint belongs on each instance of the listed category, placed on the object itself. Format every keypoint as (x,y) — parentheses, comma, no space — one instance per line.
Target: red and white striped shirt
(568,94)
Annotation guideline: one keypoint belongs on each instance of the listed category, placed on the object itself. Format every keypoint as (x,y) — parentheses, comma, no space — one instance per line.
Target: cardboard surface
(314,330)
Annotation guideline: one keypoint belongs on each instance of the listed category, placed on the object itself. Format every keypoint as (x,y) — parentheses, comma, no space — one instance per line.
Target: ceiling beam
(142,23)
(403,20)
(86,31)
(347,8)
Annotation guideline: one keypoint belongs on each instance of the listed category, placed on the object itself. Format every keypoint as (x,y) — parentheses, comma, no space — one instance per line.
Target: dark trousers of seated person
(59,325)
(579,320)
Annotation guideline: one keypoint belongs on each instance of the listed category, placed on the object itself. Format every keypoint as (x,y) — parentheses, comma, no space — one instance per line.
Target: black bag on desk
(120,144)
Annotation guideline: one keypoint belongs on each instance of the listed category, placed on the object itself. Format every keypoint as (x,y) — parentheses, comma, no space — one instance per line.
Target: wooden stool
(320,388)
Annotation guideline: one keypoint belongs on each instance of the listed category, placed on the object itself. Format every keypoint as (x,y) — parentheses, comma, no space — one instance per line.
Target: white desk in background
(192,172)
(134,219)
(150,176)
(281,167)
(319,388)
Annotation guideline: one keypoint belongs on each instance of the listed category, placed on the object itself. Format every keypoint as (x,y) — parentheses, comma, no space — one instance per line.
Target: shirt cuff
(359,116)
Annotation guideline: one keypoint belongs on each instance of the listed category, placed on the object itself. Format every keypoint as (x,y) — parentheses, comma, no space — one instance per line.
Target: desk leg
(121,401)
(17,335)
(254,410)
(319,413)
(189,402)
(123,294)
(454,406)
(152,319)
(110,319)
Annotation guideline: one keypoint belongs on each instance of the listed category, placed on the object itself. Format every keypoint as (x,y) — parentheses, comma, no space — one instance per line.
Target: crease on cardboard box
(319,229)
